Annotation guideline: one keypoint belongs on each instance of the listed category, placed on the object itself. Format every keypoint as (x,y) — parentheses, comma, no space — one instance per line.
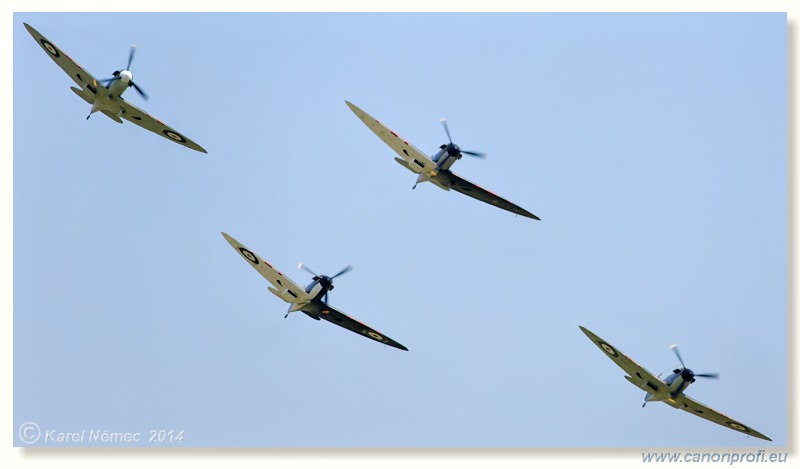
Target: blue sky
(652,147)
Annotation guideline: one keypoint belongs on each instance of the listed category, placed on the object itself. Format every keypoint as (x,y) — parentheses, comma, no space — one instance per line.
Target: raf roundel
(738,426)
(175,136)
(50,48)
(375,335)
(249,255)
(608,349)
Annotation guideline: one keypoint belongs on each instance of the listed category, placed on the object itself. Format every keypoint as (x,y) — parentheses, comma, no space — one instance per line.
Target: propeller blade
(141,91)
(446,129)
(130,56)
(343,271)
(108,80)
(326,298)
(708,375)
(674,348)
(301,266)
(476,154)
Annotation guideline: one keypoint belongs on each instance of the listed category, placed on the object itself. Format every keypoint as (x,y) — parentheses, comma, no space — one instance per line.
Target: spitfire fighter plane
(106,97)
(670,390)
(313,300)
(436,169)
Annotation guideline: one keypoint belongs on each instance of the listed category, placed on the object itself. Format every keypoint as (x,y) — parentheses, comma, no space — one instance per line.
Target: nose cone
(687,375)
(453,149)
(126,76)
(325,281)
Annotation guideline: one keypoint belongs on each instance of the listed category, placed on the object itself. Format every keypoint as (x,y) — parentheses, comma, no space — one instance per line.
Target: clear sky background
(653,147)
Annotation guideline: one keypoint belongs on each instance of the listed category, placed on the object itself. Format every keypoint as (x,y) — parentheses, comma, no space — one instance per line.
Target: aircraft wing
(701,410)
(75,71)
(144,120)
(332,315)
(283,287)
(453,181)
(410,157)
(637,374)
(86,81)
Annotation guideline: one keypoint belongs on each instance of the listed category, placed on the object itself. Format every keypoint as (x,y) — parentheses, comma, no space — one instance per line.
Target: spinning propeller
(687,374)
(454,150)
(117,75)
(324,280)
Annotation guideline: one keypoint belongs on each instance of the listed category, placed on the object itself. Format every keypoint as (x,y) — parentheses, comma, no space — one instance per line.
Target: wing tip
(521,211)
(591,335)
(758,434)
(29,28)
(196,147)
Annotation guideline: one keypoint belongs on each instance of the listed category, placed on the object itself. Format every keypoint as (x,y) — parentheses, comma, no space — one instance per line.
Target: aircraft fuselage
(114,90)
(678,381)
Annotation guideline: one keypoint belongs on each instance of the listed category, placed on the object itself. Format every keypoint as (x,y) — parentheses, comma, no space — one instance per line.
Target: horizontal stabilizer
(438,184)
(287,297)
(80,93)
(112,116)
(403,163)
(639,383)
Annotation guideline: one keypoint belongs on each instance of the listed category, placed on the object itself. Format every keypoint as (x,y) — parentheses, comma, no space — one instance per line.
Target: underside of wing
(144,120)
(412,159)
(282,286)
(457,183)
(332,315)
(701,410)
(637,374)
(83,78)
